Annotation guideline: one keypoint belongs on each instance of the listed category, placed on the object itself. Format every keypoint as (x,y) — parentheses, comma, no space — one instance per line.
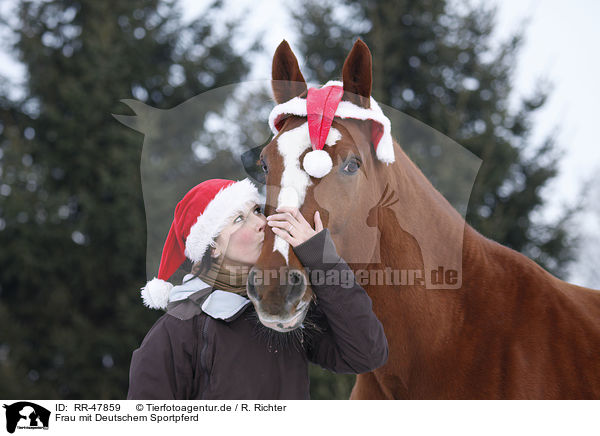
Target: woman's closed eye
(241,217)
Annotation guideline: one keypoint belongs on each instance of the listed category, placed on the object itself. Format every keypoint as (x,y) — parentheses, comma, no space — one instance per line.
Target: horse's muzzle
(277,298)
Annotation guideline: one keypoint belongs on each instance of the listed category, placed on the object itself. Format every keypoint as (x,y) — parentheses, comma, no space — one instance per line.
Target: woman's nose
(262,223)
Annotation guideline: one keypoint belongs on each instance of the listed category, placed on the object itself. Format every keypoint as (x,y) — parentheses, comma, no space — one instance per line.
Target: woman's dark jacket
(188,354)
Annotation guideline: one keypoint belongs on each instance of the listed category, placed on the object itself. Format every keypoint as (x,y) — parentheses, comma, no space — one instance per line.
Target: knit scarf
(221,278)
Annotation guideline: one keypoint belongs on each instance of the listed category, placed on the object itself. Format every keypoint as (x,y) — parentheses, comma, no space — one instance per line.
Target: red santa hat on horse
(320,106)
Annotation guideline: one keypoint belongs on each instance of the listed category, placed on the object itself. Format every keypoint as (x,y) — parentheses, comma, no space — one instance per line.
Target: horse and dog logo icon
(26,415)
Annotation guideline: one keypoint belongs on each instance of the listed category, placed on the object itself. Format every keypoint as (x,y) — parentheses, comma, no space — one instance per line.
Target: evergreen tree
(434,61)
(72,224)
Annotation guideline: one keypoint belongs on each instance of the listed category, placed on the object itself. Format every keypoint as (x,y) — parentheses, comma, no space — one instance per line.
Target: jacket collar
(219,304)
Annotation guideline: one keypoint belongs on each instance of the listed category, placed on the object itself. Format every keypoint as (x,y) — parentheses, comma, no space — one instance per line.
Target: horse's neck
(421,321)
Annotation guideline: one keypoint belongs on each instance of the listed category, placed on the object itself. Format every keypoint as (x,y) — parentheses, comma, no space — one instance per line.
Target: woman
(210,344)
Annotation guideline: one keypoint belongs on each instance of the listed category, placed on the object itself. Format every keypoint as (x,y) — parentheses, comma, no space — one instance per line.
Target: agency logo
(26,415)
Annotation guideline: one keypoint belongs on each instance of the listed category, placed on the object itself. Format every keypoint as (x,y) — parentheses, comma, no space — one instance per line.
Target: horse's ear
(357,75)
(288,81)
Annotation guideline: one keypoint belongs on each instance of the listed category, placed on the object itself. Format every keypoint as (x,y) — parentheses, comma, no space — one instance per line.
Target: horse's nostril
(251,286)
(295,278)
(296,286)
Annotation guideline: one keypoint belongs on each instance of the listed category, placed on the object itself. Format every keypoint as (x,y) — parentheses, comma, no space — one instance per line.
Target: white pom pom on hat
(155,294)
(317,163)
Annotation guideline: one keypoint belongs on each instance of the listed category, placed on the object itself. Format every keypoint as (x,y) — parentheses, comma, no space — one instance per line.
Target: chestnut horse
(508,329)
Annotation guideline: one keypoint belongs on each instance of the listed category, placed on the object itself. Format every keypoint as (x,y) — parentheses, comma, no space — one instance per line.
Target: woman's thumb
(318,222)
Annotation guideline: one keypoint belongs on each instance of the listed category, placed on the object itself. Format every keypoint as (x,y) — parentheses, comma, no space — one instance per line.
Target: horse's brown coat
(511,331)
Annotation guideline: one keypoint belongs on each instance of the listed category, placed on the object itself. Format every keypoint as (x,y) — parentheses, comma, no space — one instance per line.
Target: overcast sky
(560,45)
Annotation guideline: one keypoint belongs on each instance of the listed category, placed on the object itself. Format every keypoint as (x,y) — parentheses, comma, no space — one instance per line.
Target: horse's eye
(264,165)
(352,166)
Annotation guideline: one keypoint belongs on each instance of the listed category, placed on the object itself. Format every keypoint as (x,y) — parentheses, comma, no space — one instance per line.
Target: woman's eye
(258,209)
(238,218)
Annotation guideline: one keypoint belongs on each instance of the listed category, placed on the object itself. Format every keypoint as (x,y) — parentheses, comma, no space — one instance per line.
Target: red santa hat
(320,107)
(199,218)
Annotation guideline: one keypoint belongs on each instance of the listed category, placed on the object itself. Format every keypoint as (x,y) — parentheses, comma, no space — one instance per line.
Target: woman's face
(242,239)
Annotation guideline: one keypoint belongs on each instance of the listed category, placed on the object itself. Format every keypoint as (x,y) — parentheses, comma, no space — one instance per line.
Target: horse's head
(348,150)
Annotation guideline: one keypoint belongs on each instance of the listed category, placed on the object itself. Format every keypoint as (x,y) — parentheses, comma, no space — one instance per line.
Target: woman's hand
(292,227)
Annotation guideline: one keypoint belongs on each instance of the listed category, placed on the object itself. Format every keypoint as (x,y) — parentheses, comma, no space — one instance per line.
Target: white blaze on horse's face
(295,181)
